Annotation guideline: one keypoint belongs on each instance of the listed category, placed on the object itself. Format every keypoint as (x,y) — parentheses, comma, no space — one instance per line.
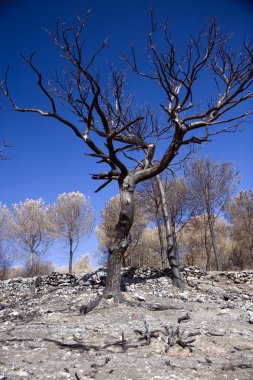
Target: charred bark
(174,237)
(70,254)
(120,240)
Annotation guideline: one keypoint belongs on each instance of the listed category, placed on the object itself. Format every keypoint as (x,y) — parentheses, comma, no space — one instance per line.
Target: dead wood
(233,367)
(17,340)
(85,309)
(215,334)
(183,318)
(176,337)
(243,348)
(173,335)
(75,346)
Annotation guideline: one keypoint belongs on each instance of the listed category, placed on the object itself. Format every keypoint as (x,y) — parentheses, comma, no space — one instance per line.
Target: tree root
(85,309)
(234,366)
(171,336)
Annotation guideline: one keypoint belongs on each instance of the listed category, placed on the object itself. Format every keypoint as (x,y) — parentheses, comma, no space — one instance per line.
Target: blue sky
(47,159)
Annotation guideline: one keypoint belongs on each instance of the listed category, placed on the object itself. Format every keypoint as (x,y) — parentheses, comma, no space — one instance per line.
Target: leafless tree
(82,265)
(239,211)
(135,144)
(170,238)
(194,240)
(180,204)
(211,184)
(152,203)
(71,217)
(29,227)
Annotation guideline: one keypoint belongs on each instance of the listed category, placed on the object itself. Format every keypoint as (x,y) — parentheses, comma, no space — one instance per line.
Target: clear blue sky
(47,158)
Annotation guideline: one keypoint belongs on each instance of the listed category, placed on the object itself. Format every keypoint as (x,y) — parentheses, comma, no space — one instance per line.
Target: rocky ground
(206,332)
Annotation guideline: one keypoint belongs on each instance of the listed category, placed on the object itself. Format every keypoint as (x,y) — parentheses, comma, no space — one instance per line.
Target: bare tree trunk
(31,260)
(131,259)
(142,259)
(208,252)
(70,254)
(177,276)
(124,261)
(174,237)
(120,240)
(163,264)
(214,244)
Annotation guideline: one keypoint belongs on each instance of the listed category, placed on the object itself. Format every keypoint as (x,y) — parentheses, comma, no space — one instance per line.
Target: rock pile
(57,279)
(130,278)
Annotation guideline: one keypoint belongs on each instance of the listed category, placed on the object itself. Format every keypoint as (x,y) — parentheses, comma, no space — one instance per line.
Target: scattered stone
(35,313)
(250,314)
(139,298)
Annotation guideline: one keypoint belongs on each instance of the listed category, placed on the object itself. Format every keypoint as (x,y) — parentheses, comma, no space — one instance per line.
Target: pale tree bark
(174,238)
(31,260)
(152,206)
(211,184)
(160,235)
(207,248)
(210,219)
(176,275)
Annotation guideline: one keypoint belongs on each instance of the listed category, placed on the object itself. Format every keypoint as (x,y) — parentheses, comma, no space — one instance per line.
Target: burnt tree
(105,112)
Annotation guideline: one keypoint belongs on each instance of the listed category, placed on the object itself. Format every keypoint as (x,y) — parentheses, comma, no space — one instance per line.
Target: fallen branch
(183,318)
(233,367)
(214,334)
(74,346)
(173,337)
(85,309)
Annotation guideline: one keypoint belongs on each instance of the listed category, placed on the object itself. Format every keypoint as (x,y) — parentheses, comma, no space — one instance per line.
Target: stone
(250,314)
(38,282)
(22,373)
(139,298)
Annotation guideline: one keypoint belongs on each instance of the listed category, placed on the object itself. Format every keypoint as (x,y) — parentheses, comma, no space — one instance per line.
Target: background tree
(195,240)
(151,200)
(170,241)
(40,268)
(211,184)
(181,206)
(30,228)
(72,217)
(5,259)
(105,111)
(147,251)
(240,213)
(82,265)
